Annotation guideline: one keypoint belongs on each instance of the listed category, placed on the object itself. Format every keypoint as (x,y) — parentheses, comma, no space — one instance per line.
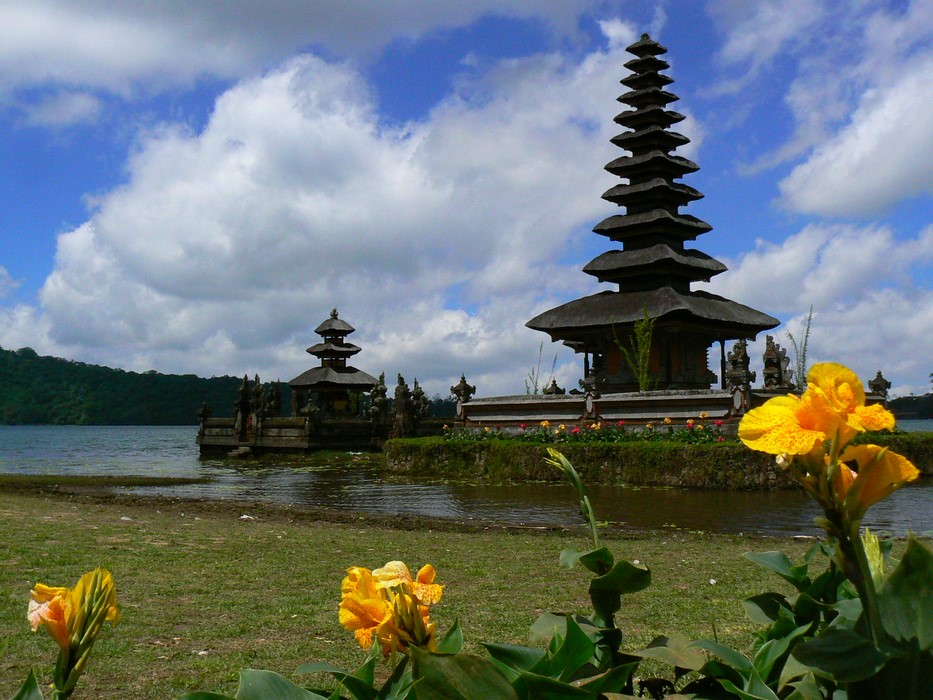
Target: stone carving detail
(553,389)
(378,405)
(401,409)
(738,376)
(420,406)
(241,409)
(464,392)
(879,385)
(776,374)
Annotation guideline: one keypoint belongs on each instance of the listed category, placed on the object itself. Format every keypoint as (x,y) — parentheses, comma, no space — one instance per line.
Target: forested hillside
(49,390)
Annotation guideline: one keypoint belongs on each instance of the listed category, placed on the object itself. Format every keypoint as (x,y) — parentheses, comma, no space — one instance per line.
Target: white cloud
(226,247)
(115,46)
(868,313)
(7,283)
(881,156)
(63,108)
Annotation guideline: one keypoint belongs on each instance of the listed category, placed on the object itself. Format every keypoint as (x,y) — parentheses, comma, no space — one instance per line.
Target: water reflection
(351,483)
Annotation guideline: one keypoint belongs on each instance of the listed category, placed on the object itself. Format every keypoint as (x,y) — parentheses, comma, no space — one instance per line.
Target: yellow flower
(649,426)
(51,607)
(667,421)
(843,391)
(703,415)
(422,586)
(545,423)
(788,425)
(73,616)
(363,607)
(879,473)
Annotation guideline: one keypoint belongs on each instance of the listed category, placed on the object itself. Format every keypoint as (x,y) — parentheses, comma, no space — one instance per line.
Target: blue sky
(191,187)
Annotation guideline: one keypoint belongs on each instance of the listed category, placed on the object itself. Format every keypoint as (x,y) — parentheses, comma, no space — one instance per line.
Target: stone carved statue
(401,409)
(463,391)
(776,374)
(738,375)
(203,414)
(553,390)
(241,409)
(378,405)
(879,385)
(420,406)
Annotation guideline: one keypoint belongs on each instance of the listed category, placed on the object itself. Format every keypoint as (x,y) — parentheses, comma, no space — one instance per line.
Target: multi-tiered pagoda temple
(653,270)
(334,387)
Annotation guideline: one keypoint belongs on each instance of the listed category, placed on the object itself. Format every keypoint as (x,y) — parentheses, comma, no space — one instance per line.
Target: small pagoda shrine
(653,269)
(334,388)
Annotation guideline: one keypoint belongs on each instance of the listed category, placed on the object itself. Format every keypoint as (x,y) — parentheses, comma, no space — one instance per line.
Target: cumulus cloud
(879,158)
(226,246)
(63,108)
(868,311)
(114,45)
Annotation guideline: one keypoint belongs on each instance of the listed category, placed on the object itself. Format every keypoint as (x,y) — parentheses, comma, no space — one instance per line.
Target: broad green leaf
(199,695)
(569,558)
(755,688)
(457,677)
(675,651)
(772,650)
(320,667)
(615,680)
(399,684)
(624,577)
(30,689)
(841,655)
(765,608)
(599,561)
(904,598)
(359,683)
(731,657)
(783,567)
(576,650)
(549,624)
(266,685)
(514,656)
(807,688)
(452,642)
(535,687)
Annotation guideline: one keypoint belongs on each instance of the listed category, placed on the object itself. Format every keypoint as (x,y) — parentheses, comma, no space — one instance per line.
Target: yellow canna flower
(363,607)
(422,586)
(51,607)
(545,423)
(73,617)
(787,425)
(843,391)
(880,473)
(667,421)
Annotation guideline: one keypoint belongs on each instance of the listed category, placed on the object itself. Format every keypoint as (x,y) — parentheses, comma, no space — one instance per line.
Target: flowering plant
(73,617)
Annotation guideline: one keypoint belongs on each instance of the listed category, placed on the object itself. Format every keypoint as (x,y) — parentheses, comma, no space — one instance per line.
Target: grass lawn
(204,592)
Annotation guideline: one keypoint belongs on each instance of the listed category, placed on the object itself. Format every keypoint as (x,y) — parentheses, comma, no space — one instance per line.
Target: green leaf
(452,642)
(266,685)
(359,683)
(518,657)
(399,684)
(765,608)
(457,677)
(550,624)
(624,577)
(599,561)
(807,688)
(535,687)
(30,689)
(569,558)
(576,650)
(675,651)
(783,567)
(320,667)
(615,680)
(199,695)
(841,655)
(904,598)
(731,657)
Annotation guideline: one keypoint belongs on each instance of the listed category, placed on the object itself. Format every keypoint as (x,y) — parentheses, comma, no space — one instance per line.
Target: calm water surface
(347,482)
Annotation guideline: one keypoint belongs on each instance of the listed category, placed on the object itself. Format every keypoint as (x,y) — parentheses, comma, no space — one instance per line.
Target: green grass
(204,592)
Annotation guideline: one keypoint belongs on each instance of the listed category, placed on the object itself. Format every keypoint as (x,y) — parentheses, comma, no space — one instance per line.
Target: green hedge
(728,465)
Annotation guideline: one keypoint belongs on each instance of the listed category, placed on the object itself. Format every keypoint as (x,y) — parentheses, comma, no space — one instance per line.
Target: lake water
(349,483)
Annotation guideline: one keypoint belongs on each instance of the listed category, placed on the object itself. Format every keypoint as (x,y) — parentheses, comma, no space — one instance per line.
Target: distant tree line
(42,390)
(912,407)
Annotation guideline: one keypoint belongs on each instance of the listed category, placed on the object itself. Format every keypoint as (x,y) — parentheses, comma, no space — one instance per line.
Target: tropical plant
(533,383)
(638,352)
(800,352)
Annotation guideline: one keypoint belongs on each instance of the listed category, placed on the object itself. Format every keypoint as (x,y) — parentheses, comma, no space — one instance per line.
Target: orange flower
(422,586)
(843,391)
(363,607)
(788,425)
(51,607)
(880,473)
